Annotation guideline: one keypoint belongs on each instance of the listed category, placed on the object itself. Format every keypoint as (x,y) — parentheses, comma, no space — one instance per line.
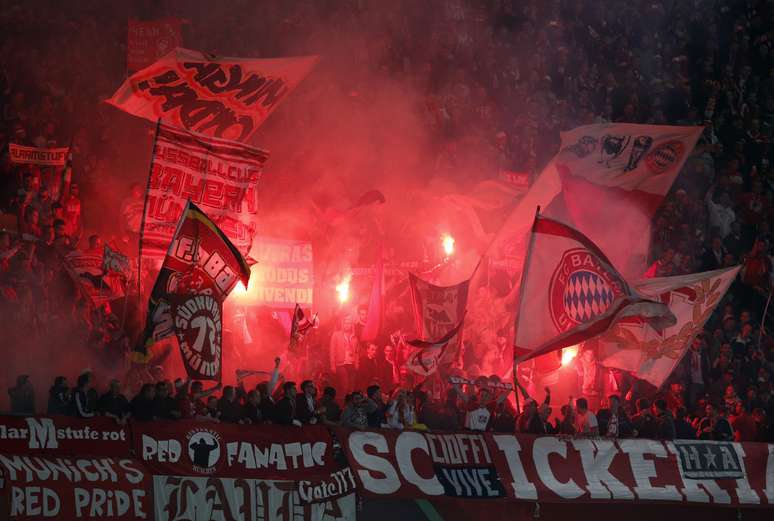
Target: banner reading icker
(552,469)
(213,95)
(220,176)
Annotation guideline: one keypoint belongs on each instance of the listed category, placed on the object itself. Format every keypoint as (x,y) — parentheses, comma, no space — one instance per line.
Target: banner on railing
(63,436)
(238,451)
(552,469)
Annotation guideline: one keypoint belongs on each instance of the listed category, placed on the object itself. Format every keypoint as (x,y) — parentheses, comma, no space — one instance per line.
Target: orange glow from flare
(568,354)
(448,244)
(342,289)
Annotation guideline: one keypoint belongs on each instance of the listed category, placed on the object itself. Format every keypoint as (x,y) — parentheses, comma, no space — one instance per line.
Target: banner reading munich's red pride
(217,175)
(212,95)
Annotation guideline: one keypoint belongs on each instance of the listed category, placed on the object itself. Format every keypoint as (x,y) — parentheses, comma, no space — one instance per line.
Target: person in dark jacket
(22,396)
(683,428)
(60,399)
(85,406)
(165,407)
(285,412)
(332,411)
(114,404)
(306,404)
(644,422)
(142,404)
(664,420)
(251,412)
(230,410)
(376,418)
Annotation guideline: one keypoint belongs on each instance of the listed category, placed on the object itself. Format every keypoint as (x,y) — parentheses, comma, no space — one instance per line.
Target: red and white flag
(603,174)
(85,268)
(634,345)
(217,96)
(571,292)
(425,357)
(437,311)
(219,176)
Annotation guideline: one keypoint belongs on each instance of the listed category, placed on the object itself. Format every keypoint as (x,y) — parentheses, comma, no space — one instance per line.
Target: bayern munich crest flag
(570,292)
(201,268)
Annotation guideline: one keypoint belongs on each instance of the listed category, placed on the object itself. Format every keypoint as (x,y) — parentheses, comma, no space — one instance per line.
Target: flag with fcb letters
(219,176)
(571,292)
(200,269)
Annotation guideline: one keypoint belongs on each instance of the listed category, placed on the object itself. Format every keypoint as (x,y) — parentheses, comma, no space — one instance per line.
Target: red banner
(551,469)
(77,488)
(239,451)
(63,436)
(149,40)
(219,176)
(213,95)
(178,498)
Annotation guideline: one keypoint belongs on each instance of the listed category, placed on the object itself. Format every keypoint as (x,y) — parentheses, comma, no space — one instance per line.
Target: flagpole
(764,316)
(518,309)
(144,212)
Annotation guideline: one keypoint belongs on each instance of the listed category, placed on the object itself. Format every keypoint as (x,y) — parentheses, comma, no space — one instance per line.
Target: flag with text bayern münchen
(571,292)
(218,175)
(200,269)
(607,180)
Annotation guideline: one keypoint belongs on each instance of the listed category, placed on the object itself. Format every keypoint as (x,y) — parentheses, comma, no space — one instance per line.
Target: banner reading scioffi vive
(550,469)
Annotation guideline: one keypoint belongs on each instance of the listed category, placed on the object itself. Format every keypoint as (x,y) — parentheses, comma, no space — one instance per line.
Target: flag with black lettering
(213,95)
(200,269)
(218,175)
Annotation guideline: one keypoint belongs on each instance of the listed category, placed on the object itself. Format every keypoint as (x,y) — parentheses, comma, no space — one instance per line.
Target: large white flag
(605,174)
(651,355)
(571,293)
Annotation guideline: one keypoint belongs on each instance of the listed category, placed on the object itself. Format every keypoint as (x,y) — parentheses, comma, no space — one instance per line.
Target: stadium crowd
(498,81)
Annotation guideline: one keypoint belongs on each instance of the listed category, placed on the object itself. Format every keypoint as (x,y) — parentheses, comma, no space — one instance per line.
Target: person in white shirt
(721,216)
(343,355)
(400,412)
(585,420)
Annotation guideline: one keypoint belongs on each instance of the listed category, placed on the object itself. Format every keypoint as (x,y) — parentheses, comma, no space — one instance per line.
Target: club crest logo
(665,156)
(580,289)
(204,448)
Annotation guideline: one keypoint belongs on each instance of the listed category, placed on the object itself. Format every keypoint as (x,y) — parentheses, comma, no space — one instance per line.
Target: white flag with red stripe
(571,292)
(651,355)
